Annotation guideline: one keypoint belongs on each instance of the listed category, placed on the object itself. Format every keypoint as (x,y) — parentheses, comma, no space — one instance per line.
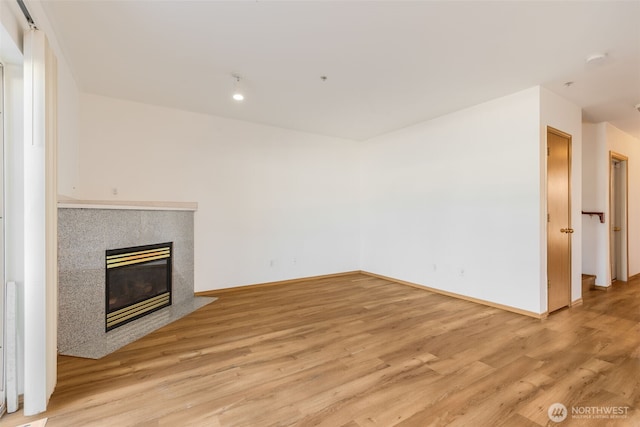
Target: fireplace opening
(138,282)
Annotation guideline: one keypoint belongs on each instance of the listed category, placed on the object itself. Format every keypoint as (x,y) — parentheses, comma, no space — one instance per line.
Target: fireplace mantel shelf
(65,203)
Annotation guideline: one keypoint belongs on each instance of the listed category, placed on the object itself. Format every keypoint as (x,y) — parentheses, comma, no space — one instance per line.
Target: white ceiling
(388,64)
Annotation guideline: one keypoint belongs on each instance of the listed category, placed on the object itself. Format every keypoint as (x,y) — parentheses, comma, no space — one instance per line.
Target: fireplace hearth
(138,282)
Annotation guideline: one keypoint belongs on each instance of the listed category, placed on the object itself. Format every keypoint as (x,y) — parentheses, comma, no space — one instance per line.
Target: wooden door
(559,229)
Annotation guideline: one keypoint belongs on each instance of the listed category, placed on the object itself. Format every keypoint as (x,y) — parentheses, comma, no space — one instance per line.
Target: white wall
(11,44)
(274,204)
(11,35)
(68,142)
(623,143)
(595,180)
(67,111)
(455,203)
(560,114)
(600,139)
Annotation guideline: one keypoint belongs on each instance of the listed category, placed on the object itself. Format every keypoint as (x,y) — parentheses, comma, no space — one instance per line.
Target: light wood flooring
(361,351)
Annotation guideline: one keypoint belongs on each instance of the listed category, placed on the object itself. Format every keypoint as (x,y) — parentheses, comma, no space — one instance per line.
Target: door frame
(625,222)
(569,137)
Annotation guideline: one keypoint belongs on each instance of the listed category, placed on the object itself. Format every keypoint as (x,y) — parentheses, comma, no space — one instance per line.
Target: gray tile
(108,342)
(83,237)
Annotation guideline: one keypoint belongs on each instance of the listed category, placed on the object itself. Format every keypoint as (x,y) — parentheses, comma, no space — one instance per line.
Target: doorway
(618,236)
(559,231)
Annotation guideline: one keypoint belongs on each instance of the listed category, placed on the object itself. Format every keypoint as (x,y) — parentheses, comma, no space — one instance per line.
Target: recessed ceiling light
(237,90)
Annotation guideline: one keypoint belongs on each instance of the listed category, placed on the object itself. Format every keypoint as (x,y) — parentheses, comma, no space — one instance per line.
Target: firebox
(138,282)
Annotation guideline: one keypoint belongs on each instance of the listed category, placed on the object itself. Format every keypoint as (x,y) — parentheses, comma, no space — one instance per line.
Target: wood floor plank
(358,351)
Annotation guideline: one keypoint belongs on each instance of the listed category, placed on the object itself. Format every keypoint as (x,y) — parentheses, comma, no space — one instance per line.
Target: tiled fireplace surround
(85,231)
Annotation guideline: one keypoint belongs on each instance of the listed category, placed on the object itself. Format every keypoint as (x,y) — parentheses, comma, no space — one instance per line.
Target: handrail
(599,214)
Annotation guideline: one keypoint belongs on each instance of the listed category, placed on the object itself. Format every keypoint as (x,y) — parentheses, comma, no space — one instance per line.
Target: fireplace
(138,282)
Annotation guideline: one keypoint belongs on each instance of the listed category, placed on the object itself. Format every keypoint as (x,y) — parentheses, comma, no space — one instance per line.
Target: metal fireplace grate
(138,282)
